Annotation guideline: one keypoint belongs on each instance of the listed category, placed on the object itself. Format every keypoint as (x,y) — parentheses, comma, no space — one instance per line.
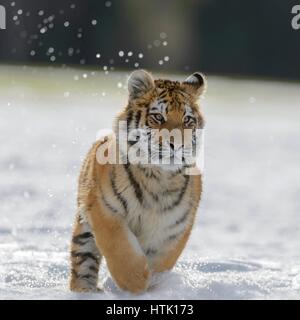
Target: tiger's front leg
(125,259)
(167,261)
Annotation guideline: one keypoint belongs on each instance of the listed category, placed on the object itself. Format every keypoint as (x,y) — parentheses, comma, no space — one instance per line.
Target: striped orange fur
(138,217)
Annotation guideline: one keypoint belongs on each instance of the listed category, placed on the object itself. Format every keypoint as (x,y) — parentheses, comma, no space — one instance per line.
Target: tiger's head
(162,118)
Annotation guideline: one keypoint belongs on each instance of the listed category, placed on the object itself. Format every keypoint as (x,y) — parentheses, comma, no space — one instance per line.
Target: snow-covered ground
(246,241)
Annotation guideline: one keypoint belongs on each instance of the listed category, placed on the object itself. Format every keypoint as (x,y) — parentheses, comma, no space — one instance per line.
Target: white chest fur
(158,223)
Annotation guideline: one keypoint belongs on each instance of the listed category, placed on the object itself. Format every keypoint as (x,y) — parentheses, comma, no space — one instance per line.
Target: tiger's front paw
(131,273)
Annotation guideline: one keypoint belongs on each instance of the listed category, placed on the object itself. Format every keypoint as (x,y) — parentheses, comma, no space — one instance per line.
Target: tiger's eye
(158,117)
(189,121)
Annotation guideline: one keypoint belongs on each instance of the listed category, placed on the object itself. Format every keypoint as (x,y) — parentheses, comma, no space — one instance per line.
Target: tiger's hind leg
(85,259)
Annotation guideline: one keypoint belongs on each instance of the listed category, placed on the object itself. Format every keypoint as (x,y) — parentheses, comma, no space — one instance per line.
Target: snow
(246,240)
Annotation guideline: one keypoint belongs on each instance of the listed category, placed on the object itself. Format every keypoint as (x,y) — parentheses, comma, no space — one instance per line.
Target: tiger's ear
(139,83)
(195,84)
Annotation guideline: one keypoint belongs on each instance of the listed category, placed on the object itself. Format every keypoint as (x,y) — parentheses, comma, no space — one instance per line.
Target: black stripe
(171,191)
(181,220)
(182,94)
(94,269)
(118,195)
(154,120)
(163,94)
(174,236)
(137,119)
(148,173)
(106,202)
(84,256)
(136,186)
(108,205)
(83,238)
(87,276)
(180,196)
(129,119)
(151,252)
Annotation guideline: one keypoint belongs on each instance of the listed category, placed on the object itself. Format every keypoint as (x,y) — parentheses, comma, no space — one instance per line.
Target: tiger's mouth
(162,155)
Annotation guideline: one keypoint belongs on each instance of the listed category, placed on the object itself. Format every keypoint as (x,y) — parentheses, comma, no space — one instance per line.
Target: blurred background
(253,38)
(64,66)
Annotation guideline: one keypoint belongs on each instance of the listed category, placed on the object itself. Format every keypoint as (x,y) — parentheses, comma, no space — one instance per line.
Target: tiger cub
(138,216)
